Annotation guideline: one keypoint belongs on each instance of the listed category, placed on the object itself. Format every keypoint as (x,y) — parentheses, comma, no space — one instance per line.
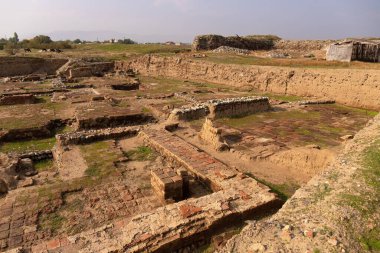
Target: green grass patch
(371,241)
(25,146)
(244,121)
(141,153)
(100,158)
(368,203)
(43,165)
(323,191)
(286,98)
(364,112)
(295,63)
(52,222)
(283,191)
(133,48)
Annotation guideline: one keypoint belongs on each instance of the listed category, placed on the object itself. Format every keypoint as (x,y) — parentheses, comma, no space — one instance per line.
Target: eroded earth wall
(353,87)
(19,66)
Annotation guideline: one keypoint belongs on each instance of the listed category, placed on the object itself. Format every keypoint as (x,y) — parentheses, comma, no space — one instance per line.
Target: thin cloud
(182,4)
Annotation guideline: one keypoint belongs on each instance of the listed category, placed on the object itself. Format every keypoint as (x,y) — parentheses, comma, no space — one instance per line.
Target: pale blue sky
(180,20)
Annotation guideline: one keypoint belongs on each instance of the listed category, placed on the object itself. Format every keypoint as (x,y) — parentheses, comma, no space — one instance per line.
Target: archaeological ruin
(192,151)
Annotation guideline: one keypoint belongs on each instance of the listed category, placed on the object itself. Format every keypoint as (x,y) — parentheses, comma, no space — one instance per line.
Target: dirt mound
(307,161)
(210,42)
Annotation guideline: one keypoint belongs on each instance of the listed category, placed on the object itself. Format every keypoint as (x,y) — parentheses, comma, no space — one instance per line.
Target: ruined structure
(210,42)
(220,108)
(21,66)
(354,50)
(179,154)
(212,136)
(17,99)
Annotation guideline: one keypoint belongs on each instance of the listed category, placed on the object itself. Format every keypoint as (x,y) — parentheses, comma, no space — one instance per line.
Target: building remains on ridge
(354,50)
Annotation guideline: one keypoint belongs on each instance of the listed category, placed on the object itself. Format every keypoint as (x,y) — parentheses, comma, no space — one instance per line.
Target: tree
(14,39)
(77,41)
(126,41)
(42,39)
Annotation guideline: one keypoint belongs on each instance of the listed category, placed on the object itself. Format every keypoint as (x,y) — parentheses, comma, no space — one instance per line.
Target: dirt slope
(336,211)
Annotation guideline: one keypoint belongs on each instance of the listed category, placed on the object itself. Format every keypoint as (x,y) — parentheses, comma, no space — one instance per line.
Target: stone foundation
(238,106)
(176,226)
(89,136)
(189,113)
(222,108)
(18,99)
(100,122)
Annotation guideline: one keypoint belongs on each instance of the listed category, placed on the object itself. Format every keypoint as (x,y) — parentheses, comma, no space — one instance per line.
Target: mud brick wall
(167,184)
(91,69)
(238,106)
(113,121)
(95,135)
(18,99)
(189,113)
(21,66)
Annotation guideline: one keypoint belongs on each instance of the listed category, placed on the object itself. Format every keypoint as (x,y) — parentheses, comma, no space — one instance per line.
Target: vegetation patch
(221,58)
(141,153)
(244,121)
(100,158)
(25,146)
(283,191)
(52,222)
(44,165)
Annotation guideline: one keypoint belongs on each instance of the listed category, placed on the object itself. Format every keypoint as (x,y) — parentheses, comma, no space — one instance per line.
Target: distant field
(127,52)
(111,51)
(296,63)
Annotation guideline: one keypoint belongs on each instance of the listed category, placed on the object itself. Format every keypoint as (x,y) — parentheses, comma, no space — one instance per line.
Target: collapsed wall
(20,66)
(353,87)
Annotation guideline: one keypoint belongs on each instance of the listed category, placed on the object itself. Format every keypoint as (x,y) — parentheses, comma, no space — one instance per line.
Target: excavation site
(233,144)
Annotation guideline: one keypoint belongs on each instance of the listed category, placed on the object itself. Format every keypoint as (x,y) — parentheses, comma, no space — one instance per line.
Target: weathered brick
(4,234)
(53,244)
(15,241)
(4,226)
(189,210)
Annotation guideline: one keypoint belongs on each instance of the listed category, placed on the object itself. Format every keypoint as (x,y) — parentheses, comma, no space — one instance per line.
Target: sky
(181,20)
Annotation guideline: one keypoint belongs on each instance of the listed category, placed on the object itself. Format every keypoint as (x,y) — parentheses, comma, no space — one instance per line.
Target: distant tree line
(45,42)
(38,42)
